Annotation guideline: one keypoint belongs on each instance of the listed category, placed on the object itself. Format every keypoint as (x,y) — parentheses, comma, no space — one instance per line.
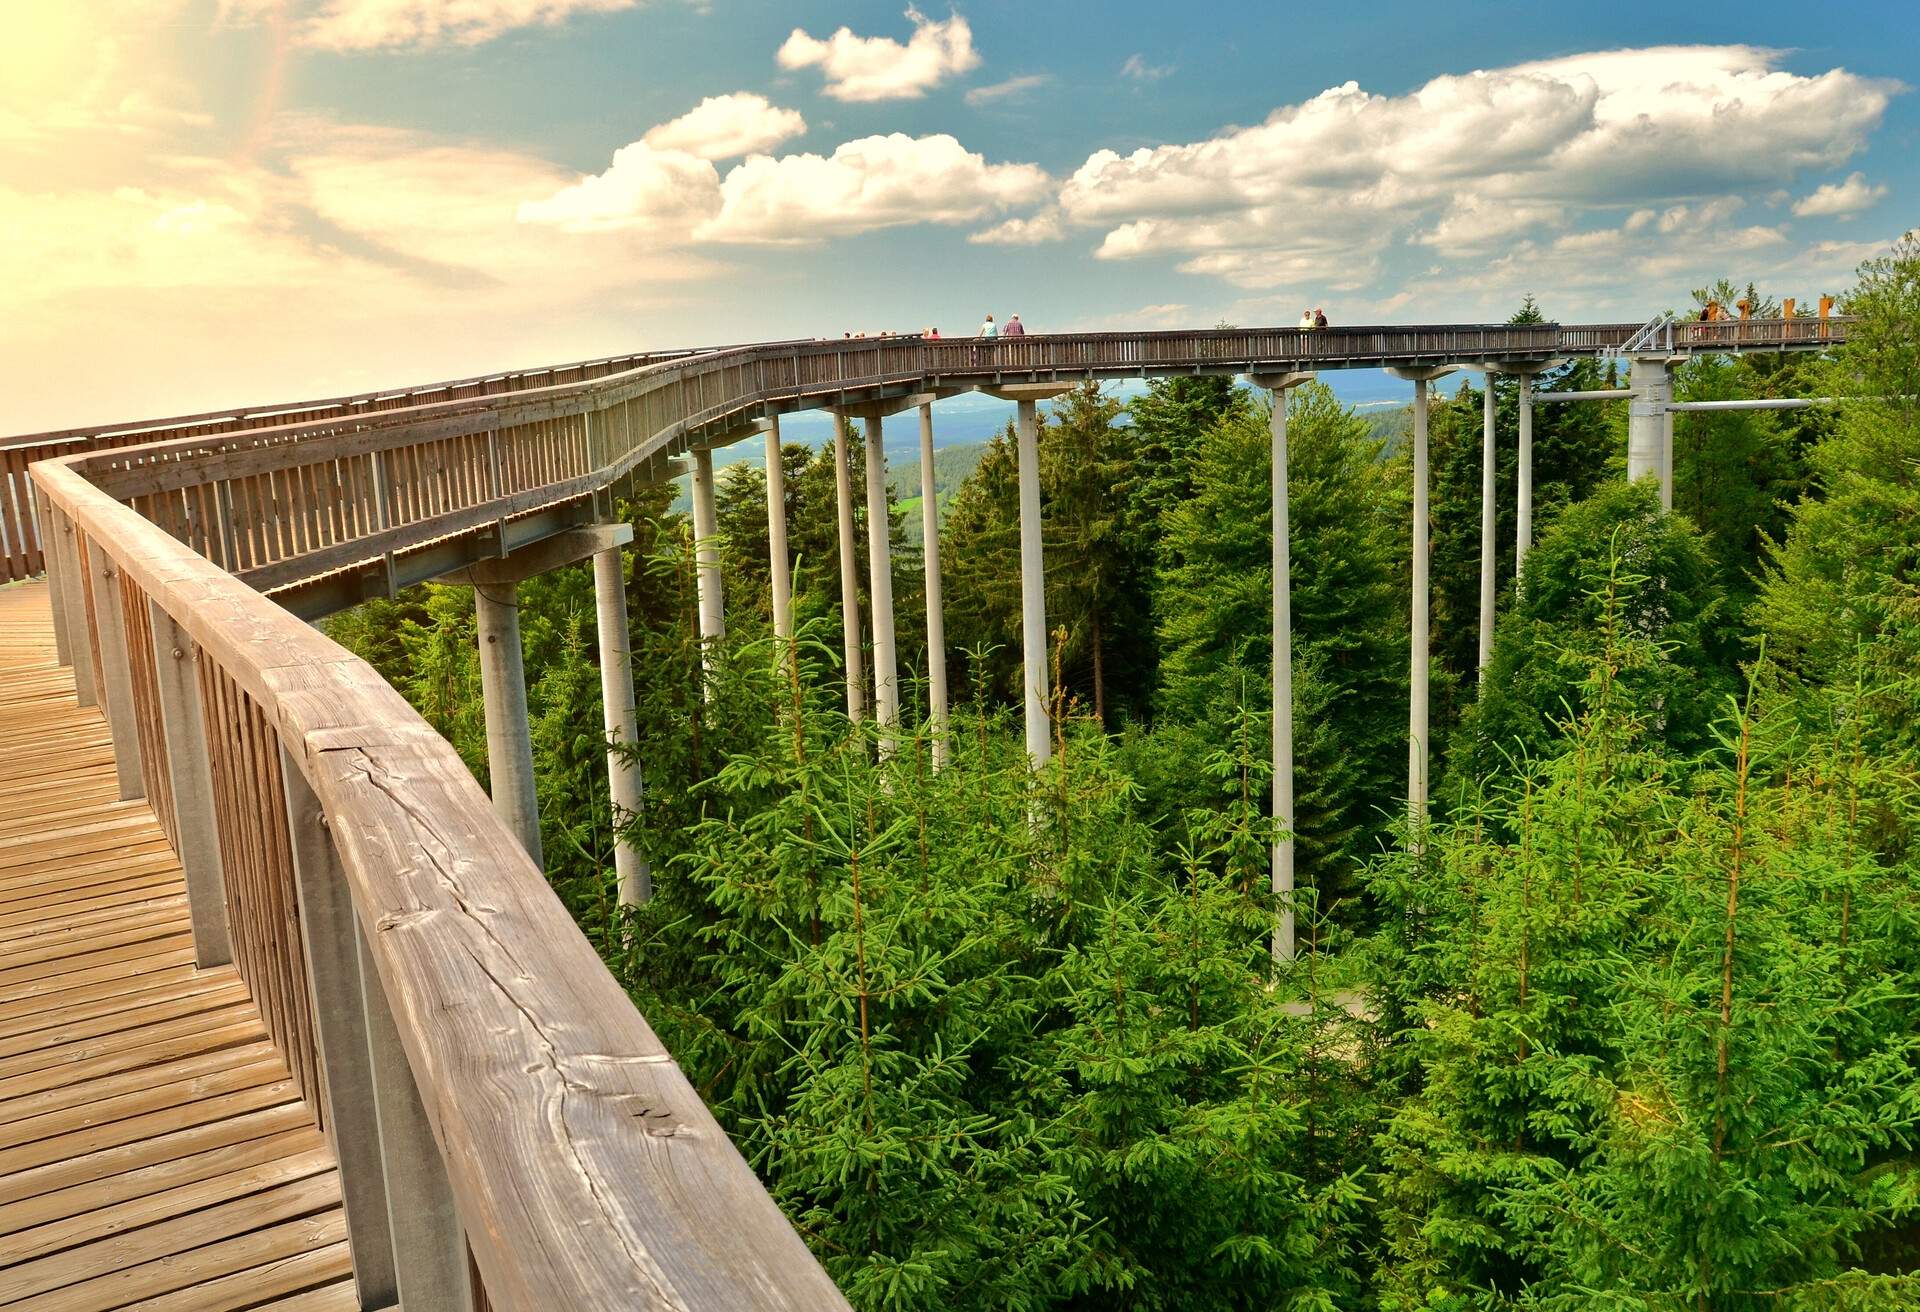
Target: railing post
(329,937)
(429,1243)
(56,581)
(191,778)
(116,678)
(73,611)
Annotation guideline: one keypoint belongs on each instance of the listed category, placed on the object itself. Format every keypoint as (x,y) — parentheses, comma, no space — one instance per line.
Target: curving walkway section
(510,1133)
(154,1150)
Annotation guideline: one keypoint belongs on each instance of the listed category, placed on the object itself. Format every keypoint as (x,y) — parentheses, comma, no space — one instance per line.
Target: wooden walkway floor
(153,1153)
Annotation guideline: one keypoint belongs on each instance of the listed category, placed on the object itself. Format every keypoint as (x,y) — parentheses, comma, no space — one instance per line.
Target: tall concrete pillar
(1489,413)
(622,725)
(849,575)
(778,566)
(1523,479)
(503,675)
(1278,385)
(706,552)
(936,620)
(886,670)
(1033,588)
(1648,419)
(1419,657)
(503,690)
(1417,728)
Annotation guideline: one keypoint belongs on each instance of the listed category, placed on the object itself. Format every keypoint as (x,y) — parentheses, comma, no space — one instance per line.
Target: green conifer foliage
(1655,1062)
(1349,619)
(1668,592)
(1842,579)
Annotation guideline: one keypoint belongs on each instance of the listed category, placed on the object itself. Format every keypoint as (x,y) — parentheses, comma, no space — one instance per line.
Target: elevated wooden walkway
(153,1150)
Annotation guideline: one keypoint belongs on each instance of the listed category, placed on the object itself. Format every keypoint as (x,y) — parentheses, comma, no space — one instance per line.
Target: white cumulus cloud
(861,68)
(721,127)
(875,182)
(1031,231)
(373,24)
(677,197)
(1840,198)
(663,190)
(1475,162)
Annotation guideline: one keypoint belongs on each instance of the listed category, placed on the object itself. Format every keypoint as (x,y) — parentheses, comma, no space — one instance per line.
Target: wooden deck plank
(96,1020)
(69,1109)
(154,1150)
(98,1195)
(330,1263)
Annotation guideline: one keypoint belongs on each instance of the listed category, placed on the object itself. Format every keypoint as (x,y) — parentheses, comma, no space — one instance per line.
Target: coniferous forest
(1632,1023)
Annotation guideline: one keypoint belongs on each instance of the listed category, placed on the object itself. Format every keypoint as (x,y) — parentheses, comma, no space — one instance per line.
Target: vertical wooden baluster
(116,676)
(190,777)
(329,940)
(429,1244)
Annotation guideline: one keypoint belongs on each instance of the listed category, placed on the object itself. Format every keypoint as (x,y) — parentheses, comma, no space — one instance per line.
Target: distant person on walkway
(931,334)
(1306,319)
(989,328)
(1319,318)
(1014,327)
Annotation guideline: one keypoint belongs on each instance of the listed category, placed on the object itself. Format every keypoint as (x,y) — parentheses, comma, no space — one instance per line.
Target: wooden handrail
(586,1170)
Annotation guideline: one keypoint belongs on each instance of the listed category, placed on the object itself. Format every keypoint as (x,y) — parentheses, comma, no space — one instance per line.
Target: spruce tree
(1348,600)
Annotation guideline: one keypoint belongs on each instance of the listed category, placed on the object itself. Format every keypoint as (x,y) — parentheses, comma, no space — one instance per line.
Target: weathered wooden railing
(486,1083)
(488,1087)
(20,545)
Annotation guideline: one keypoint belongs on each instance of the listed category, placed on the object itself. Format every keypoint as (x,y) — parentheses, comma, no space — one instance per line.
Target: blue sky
(217,201)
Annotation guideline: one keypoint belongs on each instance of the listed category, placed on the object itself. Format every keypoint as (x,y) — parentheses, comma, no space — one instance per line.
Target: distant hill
(951,465)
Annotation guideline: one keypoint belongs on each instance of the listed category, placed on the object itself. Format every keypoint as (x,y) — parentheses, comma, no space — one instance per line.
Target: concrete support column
(706,552)
(936,619)
(1489,415)
(849,576)
(779,567)
(886,670)
(503,690)
(1283,813)
(622,726)
(1648,421)
(1033,588)
(1523,471)
(1419,658)
(1417,728)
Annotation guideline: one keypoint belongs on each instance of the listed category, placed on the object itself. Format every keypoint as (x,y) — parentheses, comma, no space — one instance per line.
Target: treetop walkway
(467,1110)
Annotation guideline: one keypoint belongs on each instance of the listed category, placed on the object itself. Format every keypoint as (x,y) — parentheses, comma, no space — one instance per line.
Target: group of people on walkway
(1315,318)
(1013,328)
